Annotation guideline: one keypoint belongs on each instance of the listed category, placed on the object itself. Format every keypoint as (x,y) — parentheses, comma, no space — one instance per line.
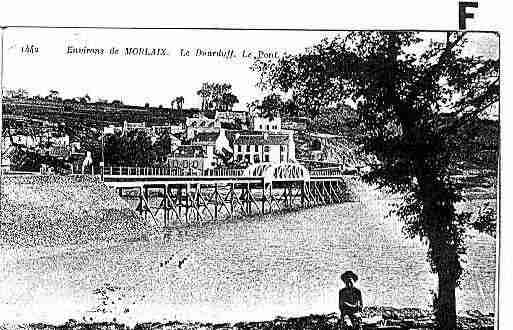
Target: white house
(260,146)
(132,126)
(266,124)
(214,143)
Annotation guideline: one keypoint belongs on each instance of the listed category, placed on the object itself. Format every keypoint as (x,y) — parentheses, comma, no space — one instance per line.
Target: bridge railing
(331,171)
(221,172)
(168,171)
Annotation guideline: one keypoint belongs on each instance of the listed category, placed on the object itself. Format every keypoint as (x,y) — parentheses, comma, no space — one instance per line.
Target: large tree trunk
(446,309)
(445,242)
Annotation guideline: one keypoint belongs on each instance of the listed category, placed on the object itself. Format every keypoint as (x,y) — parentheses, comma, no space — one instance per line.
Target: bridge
(174,197)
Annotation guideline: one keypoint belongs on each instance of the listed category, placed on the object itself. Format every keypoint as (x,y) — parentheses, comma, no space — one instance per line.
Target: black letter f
(463,13)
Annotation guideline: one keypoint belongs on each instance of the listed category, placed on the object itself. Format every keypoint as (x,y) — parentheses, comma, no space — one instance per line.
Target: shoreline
(375,317)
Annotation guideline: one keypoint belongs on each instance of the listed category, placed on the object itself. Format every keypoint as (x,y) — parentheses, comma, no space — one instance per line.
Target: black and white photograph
(211,178)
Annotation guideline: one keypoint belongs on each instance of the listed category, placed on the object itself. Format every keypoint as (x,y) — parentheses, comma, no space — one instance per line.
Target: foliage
(272,105)
(217,96)
(132,149)
(164,146)
(412,107)
(269,107)
(179,100)
(486,221)
(136,148)
(339,120)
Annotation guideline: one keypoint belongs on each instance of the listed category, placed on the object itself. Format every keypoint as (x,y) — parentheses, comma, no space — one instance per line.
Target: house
(267,124)
(188,159)
(5,164)
(201,124)
(186,165)
(60,140)
(261,146)
(296,123)
(27,141)
(168,129)
(6,153)
(230,117)
(132,126)
(59,151)
(215,143)
(111,129)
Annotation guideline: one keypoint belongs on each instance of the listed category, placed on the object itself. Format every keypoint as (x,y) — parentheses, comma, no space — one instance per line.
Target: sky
(156,79)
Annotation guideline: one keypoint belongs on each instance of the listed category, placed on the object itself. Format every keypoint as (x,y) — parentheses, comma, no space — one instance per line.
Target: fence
(168,171)
(330,171)
(221,172)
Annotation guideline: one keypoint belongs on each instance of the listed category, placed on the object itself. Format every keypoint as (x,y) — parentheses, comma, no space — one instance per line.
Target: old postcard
(249,179)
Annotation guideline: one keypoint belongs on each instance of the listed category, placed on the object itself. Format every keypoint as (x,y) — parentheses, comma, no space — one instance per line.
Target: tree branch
(435,67)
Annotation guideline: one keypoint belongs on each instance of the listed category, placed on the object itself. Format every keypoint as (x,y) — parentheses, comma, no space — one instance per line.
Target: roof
(200,122)
(257,138)
(189,151)
(58,151)
(206,138)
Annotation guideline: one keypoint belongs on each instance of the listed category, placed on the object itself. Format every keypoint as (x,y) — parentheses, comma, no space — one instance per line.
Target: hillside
(334,136)
(331,149)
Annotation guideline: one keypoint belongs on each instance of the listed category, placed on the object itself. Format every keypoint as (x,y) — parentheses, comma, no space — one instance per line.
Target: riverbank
(374,318)
(40,211)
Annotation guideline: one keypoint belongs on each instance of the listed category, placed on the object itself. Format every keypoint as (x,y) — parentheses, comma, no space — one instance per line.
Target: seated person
(350,302)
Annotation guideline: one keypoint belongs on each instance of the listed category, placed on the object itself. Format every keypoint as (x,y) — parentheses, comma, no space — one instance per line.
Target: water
(249,269)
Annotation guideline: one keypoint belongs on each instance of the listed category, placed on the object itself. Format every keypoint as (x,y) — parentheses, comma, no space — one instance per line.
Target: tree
(269,107)
(114,151)
(272,105)
(217,96)
(228,100)
(132,149)
(413,100)
(139,149)
(165,145)
(179,102)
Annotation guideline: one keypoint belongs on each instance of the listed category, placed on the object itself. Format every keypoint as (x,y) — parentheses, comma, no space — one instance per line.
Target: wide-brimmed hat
(349,275)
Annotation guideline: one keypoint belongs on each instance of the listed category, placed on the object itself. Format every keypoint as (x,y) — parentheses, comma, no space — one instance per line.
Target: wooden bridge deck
(171,200)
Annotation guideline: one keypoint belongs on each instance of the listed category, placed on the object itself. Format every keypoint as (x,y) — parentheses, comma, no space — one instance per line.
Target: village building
(59,152)
(40,140)
(167,129)
(296,123)
(6,153)
(215,144)
(231,117)
(259,146)
(132,126)
(27,141)
(59,140)
(201,124)
(188,159)
(267,124)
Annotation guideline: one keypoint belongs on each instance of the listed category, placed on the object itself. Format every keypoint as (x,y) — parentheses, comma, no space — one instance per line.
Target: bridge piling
(216,215)
(181,200)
